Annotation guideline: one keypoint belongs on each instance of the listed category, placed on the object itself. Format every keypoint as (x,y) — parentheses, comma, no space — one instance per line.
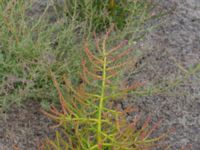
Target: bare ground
(25,127)
(174,45)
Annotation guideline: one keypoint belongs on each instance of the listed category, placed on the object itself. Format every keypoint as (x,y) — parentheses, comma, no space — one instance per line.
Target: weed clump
(29,47)
(99,15)
(89,118)
(34,40)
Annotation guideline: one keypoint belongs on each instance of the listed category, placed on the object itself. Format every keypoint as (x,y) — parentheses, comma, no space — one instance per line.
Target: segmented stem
(101,102)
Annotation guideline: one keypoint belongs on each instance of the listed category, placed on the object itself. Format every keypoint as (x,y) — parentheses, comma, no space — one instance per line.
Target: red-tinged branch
(57,125)
(133,87)
(104,51)
(129,128)
(69,85)
(74,105)
(84,76)
(93,59)
(134,122)
(129,109)
(81,100)
(124,92)
(112,73)
(144,128)
(109,31)
(114,96)
(62,99)
(54,117)
(93,75)
(155,126)
(54,110)
(120,65)
(147,121)
(124,53)
(123,43)
(97,43)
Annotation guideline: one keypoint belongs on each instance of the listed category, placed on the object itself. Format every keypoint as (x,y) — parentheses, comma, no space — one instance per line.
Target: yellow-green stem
(99,129)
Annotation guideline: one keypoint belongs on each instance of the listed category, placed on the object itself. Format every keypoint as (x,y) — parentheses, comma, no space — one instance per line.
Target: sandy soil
(175,43)
(25,127)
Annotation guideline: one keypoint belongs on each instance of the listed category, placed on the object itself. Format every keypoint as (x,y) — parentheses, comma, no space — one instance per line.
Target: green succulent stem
(101,102)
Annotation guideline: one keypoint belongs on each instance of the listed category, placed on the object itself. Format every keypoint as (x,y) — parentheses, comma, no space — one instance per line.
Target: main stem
(103,87)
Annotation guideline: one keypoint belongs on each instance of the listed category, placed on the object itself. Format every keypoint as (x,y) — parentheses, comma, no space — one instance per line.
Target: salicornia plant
(89,117)
(98,15)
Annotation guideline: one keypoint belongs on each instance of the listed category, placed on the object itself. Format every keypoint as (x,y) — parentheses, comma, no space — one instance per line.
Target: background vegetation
(32,43)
